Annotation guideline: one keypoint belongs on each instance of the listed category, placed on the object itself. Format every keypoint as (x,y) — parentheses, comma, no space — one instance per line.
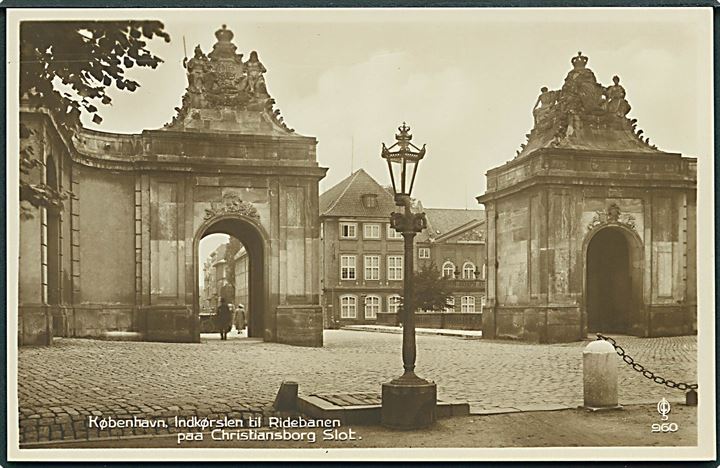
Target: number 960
(664,427)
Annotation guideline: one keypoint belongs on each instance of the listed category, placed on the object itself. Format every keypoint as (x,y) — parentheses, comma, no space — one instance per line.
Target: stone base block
(94,320)
(408,405)
(61,319)
(533,324)
(176,324)
(34,325)
(300,325)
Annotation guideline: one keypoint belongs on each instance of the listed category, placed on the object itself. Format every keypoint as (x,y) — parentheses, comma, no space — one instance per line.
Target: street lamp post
(409,401)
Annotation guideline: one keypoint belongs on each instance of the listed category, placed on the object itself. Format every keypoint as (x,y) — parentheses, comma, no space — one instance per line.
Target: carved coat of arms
(612,215)
(231,203)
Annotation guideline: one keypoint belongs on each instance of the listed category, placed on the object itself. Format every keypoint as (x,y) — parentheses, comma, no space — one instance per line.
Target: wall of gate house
(138,204)
(129,233)
(537,266)
(37,310)
(585,167)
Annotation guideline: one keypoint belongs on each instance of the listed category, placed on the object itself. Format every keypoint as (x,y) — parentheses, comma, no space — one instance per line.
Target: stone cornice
(577,167)
(173,164)
(126,152)
(579,153)
(544,181)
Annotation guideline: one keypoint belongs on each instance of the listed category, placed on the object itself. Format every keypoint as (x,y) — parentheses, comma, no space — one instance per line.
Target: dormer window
(369,200)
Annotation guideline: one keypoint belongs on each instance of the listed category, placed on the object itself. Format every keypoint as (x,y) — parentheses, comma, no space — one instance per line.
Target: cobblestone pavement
(59,387)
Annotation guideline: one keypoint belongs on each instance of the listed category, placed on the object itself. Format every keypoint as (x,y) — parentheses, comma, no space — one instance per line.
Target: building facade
(363,257)
(454,242)
(591,228)
(225,274)
(241,270)
(122,252)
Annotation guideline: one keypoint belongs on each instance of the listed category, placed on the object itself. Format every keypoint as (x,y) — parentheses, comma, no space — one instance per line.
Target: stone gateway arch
(122,253)
(591,228)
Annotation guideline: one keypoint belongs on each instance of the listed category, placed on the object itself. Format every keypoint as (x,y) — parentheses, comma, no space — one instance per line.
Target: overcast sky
(464,80)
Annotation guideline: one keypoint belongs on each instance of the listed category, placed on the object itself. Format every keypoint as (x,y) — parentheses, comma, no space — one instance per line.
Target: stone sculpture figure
(581,91)
(222,81)
(616,102)
(255,79)
(544,104)
(197,69)
(613,213)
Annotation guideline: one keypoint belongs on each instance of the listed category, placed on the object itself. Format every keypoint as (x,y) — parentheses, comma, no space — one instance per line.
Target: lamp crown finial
(579,61)
(404,134)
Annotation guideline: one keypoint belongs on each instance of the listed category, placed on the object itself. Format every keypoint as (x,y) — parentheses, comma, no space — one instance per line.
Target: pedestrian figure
(224,318)
(240,318)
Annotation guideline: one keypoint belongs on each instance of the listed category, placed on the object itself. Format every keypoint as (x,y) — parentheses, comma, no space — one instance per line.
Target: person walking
(240,318)
(224,318)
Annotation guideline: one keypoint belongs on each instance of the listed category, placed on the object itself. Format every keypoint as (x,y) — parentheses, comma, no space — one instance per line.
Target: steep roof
(442,221)
(345,198)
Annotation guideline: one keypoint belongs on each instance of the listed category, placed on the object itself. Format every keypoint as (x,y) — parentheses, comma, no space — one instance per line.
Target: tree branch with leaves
(66,68)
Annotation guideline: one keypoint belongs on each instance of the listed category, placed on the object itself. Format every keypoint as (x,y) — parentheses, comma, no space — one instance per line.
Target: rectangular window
(372,267)
(348,307)
(392,233)
(372,307)
(450,307)
(371,231)
(394,304)
(347,267)
(348,230)
(467,304)
(423,252)
(395,267)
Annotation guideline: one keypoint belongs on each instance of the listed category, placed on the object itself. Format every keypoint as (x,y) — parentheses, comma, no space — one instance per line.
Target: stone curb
(475,411)
(418,331)
(72,425)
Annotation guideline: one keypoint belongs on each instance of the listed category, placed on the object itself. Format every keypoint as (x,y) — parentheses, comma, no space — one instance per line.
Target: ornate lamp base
(408,402)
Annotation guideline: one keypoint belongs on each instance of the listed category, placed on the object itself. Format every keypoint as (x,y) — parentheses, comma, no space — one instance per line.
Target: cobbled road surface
(60,386)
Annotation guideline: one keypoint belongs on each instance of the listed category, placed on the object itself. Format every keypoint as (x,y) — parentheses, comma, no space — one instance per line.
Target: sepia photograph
(360,234)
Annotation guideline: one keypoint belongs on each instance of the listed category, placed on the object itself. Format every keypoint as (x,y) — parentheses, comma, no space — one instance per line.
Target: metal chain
(641,369)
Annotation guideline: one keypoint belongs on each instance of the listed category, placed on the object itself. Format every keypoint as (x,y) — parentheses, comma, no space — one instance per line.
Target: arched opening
(613,282)
(53,238)
(230,264)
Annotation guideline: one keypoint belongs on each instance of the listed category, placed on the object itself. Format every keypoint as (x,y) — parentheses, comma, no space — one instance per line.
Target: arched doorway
(53,238)
(52,259)
(613,282)
(254,245)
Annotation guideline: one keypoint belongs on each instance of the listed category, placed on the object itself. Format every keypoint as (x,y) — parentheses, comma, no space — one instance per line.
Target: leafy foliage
(34,194)
(431,291)
(87,57)
(66,68)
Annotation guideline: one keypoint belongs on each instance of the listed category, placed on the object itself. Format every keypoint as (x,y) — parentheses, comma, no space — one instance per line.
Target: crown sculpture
(584,114)
(225,93)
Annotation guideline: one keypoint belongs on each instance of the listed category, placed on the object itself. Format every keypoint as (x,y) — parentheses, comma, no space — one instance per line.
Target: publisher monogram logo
(663,407)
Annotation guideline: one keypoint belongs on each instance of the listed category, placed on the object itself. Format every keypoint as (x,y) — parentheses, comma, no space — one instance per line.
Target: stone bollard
(286,399)
(600,374)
